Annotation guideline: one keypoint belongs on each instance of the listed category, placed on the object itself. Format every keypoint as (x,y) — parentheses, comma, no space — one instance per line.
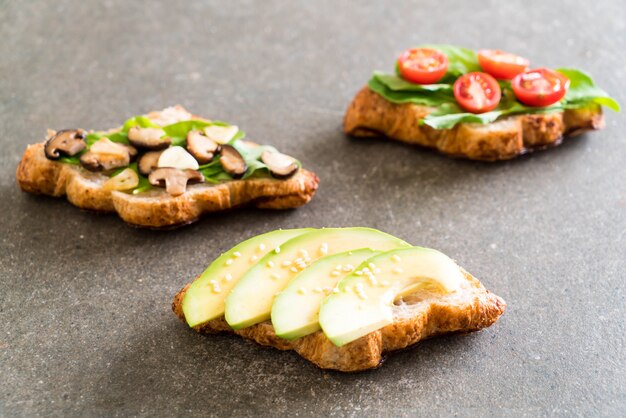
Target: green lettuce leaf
(583,90)
(141,121)
(422,97)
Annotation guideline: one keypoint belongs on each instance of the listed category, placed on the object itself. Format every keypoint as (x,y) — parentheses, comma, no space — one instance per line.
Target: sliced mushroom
(65,142)
(221,134)
(232,161)
(148,138)
(105,155)
(177,157)
(174,180)
(281,166)
(201,147)
(148,162)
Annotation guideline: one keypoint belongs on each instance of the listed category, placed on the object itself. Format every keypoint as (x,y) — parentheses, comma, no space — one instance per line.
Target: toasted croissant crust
(420,316)
(370,114)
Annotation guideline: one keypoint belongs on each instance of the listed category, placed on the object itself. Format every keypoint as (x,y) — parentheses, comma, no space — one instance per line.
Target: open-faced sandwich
(340,297)
(482,106)
(164,169)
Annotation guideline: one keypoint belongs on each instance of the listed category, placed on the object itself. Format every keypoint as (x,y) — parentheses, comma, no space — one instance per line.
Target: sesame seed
(228,277)
(373,280)
(286,263)
(294,269)
(213,282)
(261,247)
(270,264)
(229,262)
(277,250)
(396,258)
(336,290)
(397,270)
(348,267)
(236,254)
(377,270)
(338,267)
(372,266)
(275,276)
(302,290)
(358,273)
(347,289)
(253,258)
(318,290)
(384,283)
(303,252)
(216,288)
(335,273)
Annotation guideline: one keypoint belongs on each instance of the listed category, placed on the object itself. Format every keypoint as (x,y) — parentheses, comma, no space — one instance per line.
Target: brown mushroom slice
(148,162)
(201,147)
(148,138)
(280,165)
(106,155)
(67,142)
(174,179)
(232,161)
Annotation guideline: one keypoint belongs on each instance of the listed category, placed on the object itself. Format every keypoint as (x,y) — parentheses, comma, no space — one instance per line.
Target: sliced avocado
(204,299)
(366,297)
(295,312)
(250,301)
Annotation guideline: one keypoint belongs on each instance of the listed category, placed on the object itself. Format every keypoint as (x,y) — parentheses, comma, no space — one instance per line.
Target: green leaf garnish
(583,90)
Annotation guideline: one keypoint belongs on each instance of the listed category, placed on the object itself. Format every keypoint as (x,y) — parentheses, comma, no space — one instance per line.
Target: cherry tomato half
(501,64)
(540,87)
(423,65)
(477,92)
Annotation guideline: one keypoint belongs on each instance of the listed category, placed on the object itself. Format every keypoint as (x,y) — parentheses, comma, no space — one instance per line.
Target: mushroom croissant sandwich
(164,169)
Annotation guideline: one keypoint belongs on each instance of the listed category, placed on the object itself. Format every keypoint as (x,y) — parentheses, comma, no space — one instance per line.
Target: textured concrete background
(85,300)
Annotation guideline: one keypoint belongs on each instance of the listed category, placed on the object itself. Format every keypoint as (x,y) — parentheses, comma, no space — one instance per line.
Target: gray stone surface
(85,300)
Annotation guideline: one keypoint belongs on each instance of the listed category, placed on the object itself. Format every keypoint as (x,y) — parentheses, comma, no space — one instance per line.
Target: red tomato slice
(423,65)
(501,64)
(540,87)
(477,92)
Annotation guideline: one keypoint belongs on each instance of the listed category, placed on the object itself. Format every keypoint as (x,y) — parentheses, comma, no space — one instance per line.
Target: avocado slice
(250,301)
(204,299)
(366,297)
(295,312)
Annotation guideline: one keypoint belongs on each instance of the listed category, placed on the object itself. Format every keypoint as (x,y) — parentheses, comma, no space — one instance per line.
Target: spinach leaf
(422,97)
(141,121)
(583,90)
(396,83)
(75,160)
(120,137)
